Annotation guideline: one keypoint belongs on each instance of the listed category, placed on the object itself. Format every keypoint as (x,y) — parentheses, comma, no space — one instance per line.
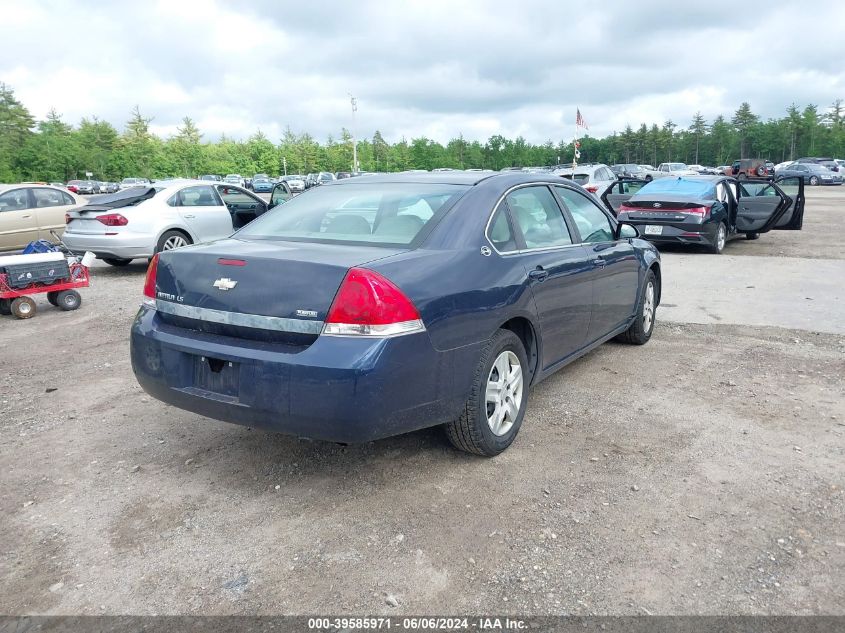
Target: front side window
(538,216)
(592,223)
(231,195)
(375,213)
(15,200)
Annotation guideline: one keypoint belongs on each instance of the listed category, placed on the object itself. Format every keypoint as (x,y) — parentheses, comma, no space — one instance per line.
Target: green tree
(698,128)
(743,120)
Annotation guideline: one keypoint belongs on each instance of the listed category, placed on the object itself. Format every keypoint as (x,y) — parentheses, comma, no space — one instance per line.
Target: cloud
(431,68)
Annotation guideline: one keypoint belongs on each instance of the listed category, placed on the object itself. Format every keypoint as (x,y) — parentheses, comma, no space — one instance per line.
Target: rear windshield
(680,186)
(376,213)
(581,179)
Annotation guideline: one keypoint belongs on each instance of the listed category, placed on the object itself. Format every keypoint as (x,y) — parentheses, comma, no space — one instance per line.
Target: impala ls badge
(224,283)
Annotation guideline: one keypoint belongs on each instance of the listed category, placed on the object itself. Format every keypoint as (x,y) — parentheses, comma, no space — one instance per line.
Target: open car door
(620,192)
(793,188)
(760,206)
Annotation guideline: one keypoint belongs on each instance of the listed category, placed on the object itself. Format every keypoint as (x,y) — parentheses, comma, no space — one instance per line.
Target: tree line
(54,150)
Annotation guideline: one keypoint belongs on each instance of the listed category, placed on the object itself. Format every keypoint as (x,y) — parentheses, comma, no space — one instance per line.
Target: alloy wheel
(648,307)
(504,393)
(176,241)
(721,237)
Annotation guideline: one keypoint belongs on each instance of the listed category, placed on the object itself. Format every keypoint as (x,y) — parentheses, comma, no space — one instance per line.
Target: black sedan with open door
(707,210)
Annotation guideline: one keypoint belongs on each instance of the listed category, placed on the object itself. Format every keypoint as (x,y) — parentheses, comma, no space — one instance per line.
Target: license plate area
(653,229)
(217,375)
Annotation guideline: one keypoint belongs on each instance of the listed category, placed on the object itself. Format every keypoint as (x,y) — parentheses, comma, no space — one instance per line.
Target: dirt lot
(701,473)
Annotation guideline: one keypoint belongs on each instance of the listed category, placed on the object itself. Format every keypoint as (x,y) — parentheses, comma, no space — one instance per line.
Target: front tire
(496,407)
(640,331)
(111,261)
(814,180)
(720,240)
(171,240)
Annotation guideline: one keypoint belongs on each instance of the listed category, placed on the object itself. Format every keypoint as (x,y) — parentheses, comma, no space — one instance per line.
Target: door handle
(538,274)
(599,262)
(190,216)
(25,217)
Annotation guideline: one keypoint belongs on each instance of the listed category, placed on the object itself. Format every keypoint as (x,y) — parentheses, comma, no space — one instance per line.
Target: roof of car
(438,177)
(30,185)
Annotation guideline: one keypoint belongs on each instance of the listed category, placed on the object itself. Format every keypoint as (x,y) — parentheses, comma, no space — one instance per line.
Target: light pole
(354,103)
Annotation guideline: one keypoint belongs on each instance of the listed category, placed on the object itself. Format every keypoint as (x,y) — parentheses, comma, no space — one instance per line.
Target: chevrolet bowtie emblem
(224,283)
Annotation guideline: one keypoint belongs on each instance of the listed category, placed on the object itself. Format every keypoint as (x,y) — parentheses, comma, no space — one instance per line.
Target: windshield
(677,166)
(581,179)
(376,214)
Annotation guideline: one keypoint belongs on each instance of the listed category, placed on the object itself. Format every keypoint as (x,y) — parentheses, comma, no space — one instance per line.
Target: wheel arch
(527,333)
(658,276)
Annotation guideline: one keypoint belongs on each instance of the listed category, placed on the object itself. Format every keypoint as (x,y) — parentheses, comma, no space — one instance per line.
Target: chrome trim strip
(240,319)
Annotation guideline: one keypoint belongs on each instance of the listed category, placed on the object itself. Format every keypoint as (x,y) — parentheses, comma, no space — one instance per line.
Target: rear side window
(500,233)
(592,223)
(197,197)
(49,198)
(372,213)
(538,216)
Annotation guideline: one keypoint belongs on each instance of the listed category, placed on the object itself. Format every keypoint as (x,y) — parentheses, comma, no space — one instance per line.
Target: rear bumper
(692,233)
(337,389)
(125,246)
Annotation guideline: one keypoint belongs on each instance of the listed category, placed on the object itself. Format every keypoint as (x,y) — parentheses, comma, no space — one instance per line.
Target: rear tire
(497,400)
(23,307)
(117,262)
(68,300)
(720,240)
(171,240)
(752,236)
(640,331)
(814,180)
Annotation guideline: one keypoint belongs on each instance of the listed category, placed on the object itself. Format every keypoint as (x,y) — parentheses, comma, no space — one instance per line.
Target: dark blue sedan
(374,306)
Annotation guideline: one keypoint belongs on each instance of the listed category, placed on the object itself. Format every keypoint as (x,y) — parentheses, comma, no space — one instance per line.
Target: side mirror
(626,231)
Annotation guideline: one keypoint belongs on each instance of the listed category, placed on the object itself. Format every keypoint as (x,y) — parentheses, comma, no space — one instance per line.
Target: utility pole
(354,102)
(285,164)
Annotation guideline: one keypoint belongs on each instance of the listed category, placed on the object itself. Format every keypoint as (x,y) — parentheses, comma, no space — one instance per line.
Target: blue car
(376,306)
(262,185)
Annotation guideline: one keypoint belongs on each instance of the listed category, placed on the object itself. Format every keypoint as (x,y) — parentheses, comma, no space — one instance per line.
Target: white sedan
(142,221)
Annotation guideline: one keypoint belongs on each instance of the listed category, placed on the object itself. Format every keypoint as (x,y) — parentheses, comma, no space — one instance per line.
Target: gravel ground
(699,474)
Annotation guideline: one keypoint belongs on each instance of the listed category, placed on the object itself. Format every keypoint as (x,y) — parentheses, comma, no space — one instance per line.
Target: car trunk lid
(257,289)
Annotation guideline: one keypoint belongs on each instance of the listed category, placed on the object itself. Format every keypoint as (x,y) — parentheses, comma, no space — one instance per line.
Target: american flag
(579,120)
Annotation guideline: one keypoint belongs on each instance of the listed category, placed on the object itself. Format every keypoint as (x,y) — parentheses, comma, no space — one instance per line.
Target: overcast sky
(419,68)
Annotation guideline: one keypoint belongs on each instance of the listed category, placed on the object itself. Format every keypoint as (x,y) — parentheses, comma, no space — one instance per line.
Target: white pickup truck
(669,169)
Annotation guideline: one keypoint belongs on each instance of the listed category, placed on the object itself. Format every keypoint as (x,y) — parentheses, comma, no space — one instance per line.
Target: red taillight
(701,212)
(150,283)
(231,262)
(112,219)
(67,218)
(625,208)
(591,188)
(368,304)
